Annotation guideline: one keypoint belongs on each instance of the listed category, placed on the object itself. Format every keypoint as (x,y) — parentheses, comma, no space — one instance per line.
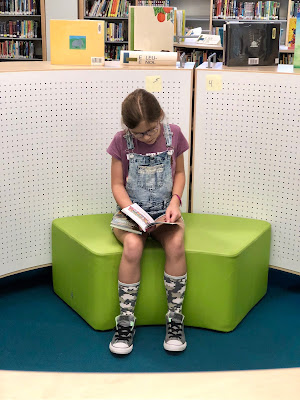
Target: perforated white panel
(54,130)
(247,156)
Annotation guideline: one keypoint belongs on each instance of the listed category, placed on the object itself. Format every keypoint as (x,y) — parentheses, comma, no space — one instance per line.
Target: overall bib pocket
(150,177)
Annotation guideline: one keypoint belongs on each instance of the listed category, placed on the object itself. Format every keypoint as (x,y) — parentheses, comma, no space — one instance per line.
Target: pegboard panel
(246,154)
(55,128)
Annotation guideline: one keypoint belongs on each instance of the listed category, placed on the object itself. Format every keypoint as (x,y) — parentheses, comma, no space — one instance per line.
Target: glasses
(150,132)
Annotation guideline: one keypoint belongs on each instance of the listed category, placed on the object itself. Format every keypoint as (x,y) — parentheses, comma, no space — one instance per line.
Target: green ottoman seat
(227,262)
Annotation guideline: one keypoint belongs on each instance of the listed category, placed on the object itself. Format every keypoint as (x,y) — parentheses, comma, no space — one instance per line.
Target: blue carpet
(39,332)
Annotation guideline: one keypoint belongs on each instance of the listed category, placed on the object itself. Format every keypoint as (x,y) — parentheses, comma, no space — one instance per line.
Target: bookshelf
(209,14)
(22,30)
(117,25)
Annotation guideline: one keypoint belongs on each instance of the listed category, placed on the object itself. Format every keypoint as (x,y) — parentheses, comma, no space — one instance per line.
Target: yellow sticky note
(214,83)
(153,83)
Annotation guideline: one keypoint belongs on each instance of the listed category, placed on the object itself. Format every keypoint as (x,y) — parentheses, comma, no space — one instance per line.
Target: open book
(133,217)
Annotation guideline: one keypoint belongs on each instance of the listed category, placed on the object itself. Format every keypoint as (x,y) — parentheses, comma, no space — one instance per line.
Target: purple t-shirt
(118,147)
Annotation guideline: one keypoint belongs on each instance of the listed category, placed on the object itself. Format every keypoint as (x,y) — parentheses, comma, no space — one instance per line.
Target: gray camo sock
(175,289)
(127,297)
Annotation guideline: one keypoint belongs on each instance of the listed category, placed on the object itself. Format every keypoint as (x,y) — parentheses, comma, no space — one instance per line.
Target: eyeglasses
(150,132)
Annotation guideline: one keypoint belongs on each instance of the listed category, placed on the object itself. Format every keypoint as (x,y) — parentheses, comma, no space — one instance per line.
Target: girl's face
(146,132)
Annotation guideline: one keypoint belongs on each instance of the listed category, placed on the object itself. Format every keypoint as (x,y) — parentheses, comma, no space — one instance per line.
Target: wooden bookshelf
(39,43)
(111,46)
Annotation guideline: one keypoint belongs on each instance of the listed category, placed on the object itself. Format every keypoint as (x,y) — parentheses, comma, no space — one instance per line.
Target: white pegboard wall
(55,128)
(247,155)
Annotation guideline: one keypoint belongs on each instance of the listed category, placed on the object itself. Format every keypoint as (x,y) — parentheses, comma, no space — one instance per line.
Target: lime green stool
(227,262)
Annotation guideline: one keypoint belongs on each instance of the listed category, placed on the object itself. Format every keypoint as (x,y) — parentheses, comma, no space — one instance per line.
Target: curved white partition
(246,159)
(56,123)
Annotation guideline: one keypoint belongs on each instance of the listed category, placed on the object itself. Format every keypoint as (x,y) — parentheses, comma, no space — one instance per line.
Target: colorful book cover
(291,32)
(78,42)
(297,44)
(151,28)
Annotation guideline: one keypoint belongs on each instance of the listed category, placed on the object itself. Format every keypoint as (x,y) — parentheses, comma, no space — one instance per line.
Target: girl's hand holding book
(173,211)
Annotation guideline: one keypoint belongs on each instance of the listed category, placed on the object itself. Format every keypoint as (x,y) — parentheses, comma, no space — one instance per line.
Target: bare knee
(174,247)
(133,247)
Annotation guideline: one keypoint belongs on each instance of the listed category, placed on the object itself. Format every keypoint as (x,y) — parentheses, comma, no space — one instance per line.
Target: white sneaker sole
(172,347)
(120,350)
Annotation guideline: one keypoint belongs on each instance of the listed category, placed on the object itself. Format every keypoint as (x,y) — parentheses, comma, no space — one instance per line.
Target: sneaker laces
(174,329)
(123,332)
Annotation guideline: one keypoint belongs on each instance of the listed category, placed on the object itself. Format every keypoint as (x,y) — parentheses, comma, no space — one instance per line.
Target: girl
(148,169)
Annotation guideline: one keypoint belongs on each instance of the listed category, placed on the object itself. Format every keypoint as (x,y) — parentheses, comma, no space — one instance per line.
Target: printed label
(97,60)
(253,61)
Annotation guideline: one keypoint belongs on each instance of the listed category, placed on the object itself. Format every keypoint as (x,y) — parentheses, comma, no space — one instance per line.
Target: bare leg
(171,238)
(133,246)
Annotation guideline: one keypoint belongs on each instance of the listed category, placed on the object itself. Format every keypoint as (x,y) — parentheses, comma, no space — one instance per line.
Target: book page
(140,216)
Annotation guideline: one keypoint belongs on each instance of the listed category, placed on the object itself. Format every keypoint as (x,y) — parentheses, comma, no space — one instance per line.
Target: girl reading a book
(148,169)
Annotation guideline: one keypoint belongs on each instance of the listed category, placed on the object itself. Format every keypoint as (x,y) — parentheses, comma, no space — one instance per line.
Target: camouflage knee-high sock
(127,297)
(175,289)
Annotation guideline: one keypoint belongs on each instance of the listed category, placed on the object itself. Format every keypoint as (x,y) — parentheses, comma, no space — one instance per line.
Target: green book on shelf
(297,43)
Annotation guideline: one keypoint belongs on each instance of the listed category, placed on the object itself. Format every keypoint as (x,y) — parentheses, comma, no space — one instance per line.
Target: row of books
(261,10)
(295,8)
(154,3)
(116,32)
(200,56)
(287,59)
(16,49)
(109,8)
(112,52)
(19,29)
(27,7)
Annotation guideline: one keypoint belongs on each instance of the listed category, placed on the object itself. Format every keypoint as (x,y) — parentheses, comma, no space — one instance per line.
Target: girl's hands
(173,211)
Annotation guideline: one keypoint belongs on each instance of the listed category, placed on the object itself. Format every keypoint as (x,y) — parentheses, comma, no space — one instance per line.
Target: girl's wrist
(175,195)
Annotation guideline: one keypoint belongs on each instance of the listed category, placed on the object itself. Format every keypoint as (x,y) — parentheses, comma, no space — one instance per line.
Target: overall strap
(129,143)
(168,134)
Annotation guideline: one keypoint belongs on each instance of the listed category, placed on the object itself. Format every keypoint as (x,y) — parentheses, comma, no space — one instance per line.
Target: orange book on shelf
(77,42)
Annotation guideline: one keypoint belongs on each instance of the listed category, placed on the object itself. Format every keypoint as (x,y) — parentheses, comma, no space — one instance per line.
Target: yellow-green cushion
(227,262)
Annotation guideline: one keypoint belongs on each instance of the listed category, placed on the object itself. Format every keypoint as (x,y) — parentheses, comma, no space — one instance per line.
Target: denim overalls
(150,181)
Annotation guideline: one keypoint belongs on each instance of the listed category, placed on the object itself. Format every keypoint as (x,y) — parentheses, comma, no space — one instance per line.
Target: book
(297,43)
(291,32)
(136,220)
(151,58)
(151,28)
(77,42)
(251,43)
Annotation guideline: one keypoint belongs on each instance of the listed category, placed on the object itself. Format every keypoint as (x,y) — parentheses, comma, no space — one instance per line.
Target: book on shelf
(295,8)
(78,42)
(109,8)
(10,49)
(149,58)
(25,29)
(297,43)
(251,43)
(291,34)
(136,220)
(208,40)
(179,20)
(151,28)
(19,7)
(246,10)
(116,32)
(155,3)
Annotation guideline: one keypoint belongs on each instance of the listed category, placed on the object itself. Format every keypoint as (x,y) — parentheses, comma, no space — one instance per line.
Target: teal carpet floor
(39,332)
